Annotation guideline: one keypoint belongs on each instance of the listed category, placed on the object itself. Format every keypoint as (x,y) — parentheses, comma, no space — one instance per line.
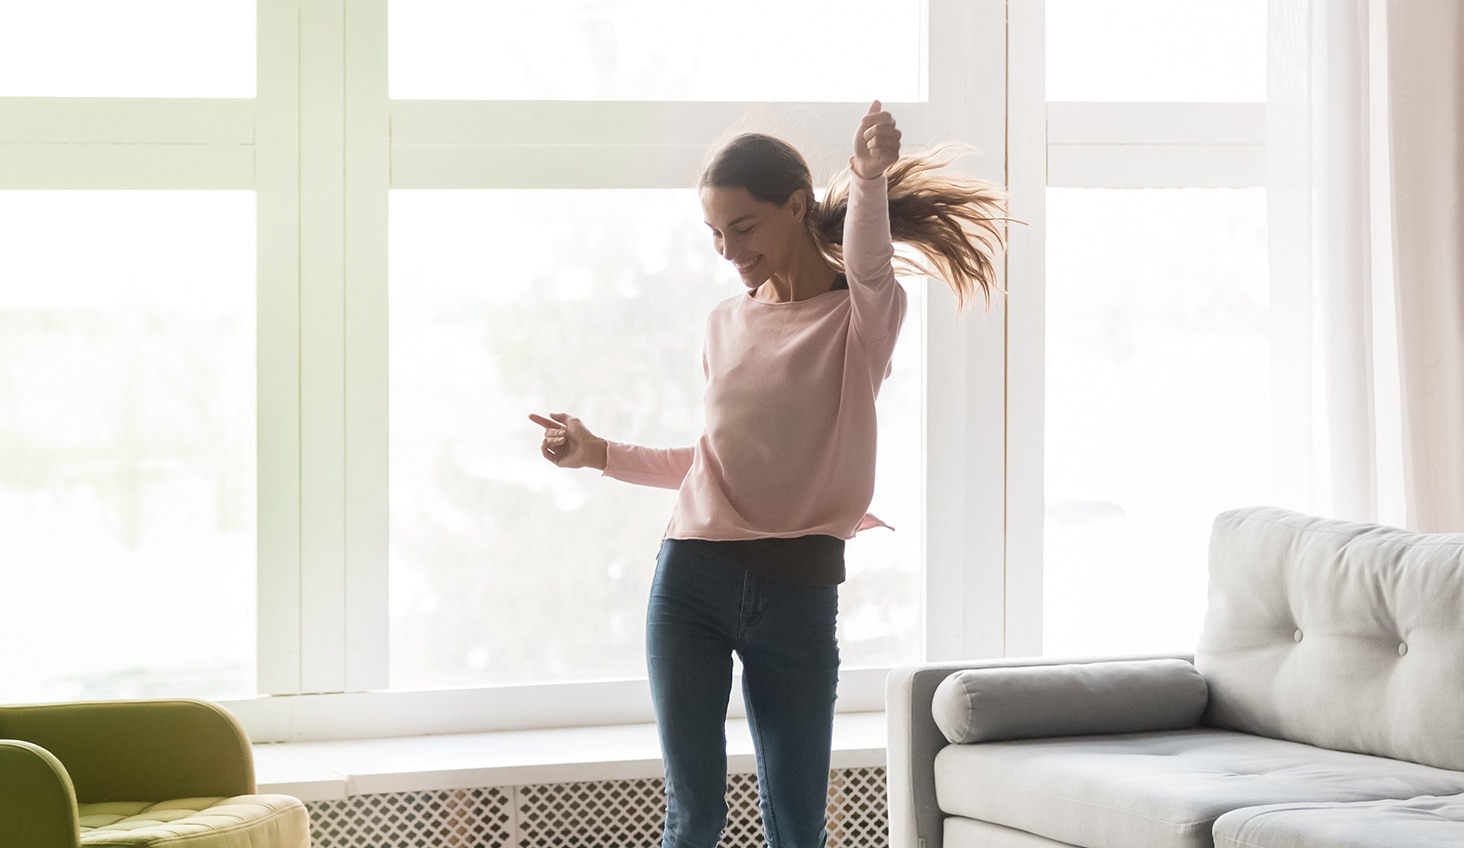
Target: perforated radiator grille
(602,814)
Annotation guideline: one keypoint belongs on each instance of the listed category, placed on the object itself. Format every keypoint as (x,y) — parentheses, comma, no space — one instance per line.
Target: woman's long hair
(955,224)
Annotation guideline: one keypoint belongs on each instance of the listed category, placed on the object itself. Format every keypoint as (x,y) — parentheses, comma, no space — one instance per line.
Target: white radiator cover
(600,814)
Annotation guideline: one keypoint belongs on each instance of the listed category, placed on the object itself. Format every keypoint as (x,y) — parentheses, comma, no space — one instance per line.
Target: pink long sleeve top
(789,444)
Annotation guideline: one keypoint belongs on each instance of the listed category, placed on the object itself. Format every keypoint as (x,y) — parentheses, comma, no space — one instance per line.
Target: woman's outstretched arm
(568,443)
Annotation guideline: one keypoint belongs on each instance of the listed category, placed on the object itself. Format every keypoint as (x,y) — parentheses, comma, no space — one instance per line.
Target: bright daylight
(792,424)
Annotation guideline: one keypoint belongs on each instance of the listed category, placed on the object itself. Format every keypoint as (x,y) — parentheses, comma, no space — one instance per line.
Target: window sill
(332,770)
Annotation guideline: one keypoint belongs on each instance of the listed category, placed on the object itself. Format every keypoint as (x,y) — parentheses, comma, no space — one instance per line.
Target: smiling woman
(783,472)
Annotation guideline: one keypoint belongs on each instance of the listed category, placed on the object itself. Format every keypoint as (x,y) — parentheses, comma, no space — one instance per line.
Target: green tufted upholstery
(144,774)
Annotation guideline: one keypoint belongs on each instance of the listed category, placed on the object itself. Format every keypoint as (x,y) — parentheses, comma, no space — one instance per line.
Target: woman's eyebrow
(734,222)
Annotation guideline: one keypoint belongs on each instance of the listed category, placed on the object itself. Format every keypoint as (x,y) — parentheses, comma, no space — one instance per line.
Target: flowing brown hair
(955,224)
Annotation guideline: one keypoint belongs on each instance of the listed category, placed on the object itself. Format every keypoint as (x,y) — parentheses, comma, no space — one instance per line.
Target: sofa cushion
(1417,823)
(1077,699)
(1341,635)
(245,821)
(970,833)
(1158,789)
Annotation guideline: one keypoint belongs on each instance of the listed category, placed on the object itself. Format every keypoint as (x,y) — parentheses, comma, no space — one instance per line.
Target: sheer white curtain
(1425,42)
(1366,272)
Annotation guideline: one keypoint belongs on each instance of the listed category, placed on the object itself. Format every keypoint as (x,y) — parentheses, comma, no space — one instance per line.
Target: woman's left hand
(876,145)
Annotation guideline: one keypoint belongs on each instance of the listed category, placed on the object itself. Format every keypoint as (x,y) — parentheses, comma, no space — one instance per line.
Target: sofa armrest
(916,821)
(37,804)
(140,750)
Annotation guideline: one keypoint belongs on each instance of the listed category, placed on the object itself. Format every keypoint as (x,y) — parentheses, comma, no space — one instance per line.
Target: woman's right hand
(568,443)
(876,144)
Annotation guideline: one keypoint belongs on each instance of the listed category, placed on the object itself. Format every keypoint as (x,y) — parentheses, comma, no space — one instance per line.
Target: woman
(784,471)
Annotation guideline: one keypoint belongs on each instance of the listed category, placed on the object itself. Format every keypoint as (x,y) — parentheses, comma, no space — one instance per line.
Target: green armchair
(141,774)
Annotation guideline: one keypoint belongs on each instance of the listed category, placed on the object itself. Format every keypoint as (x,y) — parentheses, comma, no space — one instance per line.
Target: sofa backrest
(1342,635)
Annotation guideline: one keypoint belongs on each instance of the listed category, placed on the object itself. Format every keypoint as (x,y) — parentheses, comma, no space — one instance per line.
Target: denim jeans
(702,609)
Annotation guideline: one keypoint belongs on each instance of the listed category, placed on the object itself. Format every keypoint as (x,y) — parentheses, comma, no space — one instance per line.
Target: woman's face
(758,238)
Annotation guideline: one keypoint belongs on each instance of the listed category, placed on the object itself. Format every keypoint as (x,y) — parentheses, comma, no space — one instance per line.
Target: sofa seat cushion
(1159,789)
(245,821)
(970,833)
(1429,822)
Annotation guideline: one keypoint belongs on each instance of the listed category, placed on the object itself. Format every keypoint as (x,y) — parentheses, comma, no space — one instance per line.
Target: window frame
(321,144)
(457,144)
(341,573)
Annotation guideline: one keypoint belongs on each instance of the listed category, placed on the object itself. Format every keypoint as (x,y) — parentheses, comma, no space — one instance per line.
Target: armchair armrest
(139,750)
(37,804)
(914,740)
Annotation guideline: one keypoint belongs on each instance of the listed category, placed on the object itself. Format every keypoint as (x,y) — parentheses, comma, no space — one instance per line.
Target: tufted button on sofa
(1320,710)
(139,774)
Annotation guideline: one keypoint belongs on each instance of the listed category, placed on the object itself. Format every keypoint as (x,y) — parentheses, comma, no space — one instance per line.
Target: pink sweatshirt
(789,443)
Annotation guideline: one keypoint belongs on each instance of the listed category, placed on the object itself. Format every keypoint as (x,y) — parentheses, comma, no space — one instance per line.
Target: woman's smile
(744,266)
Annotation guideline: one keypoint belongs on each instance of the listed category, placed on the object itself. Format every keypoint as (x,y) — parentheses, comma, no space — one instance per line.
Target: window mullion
(1026,325)
(322,345)
(277,183)
(964,392)
(367,173)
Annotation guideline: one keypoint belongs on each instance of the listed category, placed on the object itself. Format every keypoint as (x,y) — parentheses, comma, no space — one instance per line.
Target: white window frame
(325,586)
(321,144)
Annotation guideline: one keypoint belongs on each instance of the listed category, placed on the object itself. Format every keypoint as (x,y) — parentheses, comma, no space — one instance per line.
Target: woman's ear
(798,203)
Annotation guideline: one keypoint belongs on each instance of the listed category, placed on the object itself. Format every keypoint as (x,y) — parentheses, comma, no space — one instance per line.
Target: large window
(127,482)
(272,326)
(545,239)
(128,343)
(1158,358)
(276,322)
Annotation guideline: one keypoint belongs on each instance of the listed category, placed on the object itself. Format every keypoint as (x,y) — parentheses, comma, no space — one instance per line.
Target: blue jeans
(702,609)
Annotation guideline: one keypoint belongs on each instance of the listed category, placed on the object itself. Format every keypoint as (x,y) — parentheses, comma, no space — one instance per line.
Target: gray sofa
(1324,706)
